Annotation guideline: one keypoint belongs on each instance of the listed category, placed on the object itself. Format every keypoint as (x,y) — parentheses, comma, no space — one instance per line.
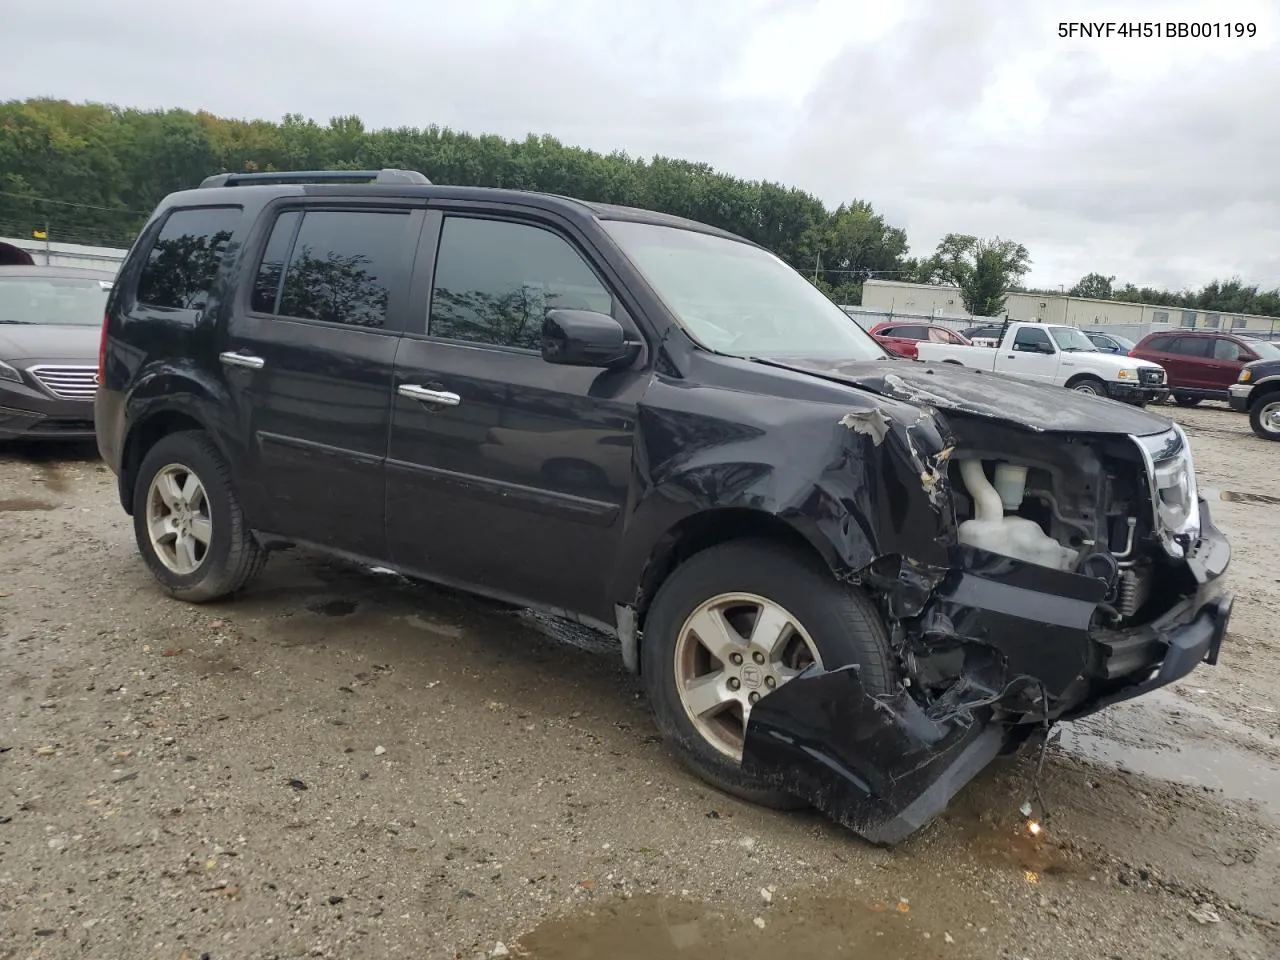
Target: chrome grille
(1151,375)
(67,383)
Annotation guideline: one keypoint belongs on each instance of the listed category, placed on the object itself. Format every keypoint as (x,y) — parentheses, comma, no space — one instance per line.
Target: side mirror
(1045,348)
(584,338)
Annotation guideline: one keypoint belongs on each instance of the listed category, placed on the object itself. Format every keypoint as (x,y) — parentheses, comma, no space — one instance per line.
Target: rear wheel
(188,523)
(733,623)
(1264,416)
(1185,400)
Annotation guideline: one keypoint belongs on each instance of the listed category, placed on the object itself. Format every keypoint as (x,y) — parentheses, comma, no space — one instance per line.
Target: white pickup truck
(1060,355)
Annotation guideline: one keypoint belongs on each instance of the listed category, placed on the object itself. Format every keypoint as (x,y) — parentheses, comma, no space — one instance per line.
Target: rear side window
(1161,344)
(496,280)
(911,332)
(336,266)
(1193,346)
(184,260)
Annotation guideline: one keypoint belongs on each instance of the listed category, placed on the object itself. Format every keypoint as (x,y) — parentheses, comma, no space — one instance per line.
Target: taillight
(102,351)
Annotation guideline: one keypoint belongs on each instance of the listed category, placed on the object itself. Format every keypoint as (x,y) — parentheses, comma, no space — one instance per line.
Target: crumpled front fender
(879,766)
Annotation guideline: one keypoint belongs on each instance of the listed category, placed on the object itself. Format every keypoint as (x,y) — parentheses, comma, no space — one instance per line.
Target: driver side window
(1032,340)
(495,280)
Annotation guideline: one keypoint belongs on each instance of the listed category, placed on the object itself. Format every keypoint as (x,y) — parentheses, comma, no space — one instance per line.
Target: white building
(922,300)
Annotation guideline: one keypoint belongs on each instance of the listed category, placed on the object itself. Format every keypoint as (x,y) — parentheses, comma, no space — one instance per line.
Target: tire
(1264,416)
(1091,386)
(841,622)
(1184,400)
(230,558)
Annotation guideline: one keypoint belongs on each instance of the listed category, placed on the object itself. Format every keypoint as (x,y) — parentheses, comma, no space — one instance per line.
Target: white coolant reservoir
(1011,484)
(991,530)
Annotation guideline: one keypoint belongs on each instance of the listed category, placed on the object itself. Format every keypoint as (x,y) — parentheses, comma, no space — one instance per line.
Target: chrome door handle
(415,392)
(232,359)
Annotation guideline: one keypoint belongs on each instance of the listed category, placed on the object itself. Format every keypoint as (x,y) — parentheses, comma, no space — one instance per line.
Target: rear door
(514,481)
(308,355)
(1034,356)
(1190,362)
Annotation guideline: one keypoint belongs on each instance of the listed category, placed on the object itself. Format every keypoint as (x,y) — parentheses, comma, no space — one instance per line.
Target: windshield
(738,299)
(1265,349)
(63,301)
(1071,340)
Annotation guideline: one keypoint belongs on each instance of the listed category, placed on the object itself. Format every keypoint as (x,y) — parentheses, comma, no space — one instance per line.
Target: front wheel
(1091,386)
(733,623)
(188,523)
(1264,416)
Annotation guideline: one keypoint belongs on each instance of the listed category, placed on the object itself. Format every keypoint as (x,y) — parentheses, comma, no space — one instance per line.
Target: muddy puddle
(24,504)
(1236,496)
(1170,739)
(649,928)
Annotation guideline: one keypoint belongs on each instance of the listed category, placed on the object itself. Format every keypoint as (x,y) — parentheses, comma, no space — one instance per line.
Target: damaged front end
(1081,569)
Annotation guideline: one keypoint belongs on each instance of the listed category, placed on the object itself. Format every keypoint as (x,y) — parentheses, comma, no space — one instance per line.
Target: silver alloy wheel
(1087,387)
(732,650)
(178,519)
(1269,416)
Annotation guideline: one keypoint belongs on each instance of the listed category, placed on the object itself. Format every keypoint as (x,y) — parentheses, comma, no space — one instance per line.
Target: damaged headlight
(1171,475)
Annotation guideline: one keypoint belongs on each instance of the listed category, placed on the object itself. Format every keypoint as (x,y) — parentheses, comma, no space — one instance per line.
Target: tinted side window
(266,285)
(495,282)
(342,265)
(911,332)
(184,260)
(1192,346)
(1161,344)
(1226,350)
(1029,339)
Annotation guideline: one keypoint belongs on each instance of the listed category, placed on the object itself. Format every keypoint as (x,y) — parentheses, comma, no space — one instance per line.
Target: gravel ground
(341,763)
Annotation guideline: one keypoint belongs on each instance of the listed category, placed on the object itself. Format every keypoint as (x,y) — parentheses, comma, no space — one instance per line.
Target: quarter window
(496,280)
(185,258)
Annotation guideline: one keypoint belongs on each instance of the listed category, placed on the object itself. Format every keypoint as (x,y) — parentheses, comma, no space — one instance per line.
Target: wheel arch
(1079,378)
(708,528)
(162,405)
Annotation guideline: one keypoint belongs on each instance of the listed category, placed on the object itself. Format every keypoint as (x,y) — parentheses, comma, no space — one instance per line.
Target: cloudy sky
(1154,160)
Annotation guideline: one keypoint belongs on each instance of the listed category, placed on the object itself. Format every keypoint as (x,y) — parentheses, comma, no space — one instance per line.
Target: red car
(901,338)
(1201,365)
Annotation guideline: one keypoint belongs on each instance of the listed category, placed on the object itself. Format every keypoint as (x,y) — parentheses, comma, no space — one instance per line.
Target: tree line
(91,173)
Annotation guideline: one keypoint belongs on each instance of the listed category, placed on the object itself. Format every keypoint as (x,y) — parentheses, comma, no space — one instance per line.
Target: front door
(308,356)
(1034,356)
(1225,363)
(508,474)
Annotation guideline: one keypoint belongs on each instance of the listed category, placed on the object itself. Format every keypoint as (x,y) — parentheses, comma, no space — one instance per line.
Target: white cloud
(1151,159)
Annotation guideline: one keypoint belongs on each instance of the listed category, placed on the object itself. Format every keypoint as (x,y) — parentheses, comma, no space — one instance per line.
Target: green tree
(1093,286)
(984,270)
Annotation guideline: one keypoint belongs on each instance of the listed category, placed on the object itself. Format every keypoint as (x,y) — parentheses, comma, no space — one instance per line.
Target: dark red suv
(1201,365)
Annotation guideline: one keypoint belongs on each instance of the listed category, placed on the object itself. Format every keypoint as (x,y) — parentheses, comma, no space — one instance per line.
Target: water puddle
(24,504)
(333,608)
(1235,496)
(648,928)
(1220,766)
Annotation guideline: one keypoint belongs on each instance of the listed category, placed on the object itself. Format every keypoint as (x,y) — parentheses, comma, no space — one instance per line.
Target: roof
(408,183)
(42,270)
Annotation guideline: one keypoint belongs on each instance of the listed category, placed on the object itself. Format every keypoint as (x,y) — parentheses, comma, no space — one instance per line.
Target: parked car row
(1185,366)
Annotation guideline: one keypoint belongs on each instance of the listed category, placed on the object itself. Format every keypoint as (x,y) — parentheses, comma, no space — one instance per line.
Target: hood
(79,344)
(948,386)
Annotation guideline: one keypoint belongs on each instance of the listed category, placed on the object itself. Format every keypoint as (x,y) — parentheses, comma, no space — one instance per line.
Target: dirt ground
(341,763)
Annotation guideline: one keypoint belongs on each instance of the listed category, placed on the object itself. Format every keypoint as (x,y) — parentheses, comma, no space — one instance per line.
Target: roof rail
(384,176)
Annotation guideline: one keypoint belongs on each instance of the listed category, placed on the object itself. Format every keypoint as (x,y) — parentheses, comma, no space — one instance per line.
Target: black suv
(844,580)
(1257,392)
